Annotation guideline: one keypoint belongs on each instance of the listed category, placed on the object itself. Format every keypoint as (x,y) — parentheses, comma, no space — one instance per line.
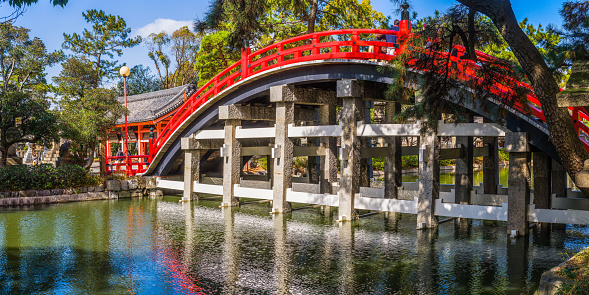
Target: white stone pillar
(516,144)
(283,156)
(191,173)
(231,163)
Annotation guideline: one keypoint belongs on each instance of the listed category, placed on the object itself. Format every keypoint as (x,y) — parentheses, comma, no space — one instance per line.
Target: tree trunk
(3,160)
(312,17)
(562,132)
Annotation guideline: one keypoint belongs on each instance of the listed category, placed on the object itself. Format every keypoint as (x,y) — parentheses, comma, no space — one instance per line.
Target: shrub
(42,177)
(410,162)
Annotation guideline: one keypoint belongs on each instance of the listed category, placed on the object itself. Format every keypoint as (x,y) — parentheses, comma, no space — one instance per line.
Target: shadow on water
(165,247)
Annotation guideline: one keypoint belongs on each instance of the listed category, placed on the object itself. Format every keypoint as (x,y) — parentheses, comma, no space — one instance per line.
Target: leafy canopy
(108,36)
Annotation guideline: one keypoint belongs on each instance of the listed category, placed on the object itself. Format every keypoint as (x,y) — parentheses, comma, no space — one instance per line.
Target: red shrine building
(146,112)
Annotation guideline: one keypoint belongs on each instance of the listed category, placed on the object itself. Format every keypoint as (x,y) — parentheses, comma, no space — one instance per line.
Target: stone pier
(231,163)
(429,179)
(351,92)
(283,147)
(490,163)
(191,173)
(516,144)
(328,162)
(463,178)
(393,170)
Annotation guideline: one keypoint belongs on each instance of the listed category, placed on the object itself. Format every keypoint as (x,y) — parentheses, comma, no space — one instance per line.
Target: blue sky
(145,16)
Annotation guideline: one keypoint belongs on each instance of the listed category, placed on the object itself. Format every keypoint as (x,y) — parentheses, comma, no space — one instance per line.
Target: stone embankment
(113,189)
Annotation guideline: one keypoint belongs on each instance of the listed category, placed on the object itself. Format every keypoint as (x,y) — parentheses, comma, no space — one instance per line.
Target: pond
(161,246)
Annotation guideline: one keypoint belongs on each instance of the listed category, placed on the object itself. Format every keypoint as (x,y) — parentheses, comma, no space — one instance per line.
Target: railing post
(576,119)
(315,42)
(355,39)
(280,57)
(245,52)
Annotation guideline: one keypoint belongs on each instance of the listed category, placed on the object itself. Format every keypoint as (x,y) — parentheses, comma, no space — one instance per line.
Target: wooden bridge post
(491,163)
(283,147)
(429,179)
(329,161)
(463,178)
(231,163)
(393,171)
(351,91)
(191,173)
(516,144)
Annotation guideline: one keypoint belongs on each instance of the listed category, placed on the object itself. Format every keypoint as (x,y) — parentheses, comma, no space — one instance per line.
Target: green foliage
(23,60)
(576,274)
(108,36)
(84,119)
(448,162)
(378,164)
(24,118)
(139,81)
(214,55)
(87,111)
(408,162)
(263,161)
(503,155)
(177,66)
(23,3)
(77,76)
(42,177)
(300,162)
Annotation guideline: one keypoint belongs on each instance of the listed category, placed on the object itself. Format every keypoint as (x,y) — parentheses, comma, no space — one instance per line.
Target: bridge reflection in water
(162,246)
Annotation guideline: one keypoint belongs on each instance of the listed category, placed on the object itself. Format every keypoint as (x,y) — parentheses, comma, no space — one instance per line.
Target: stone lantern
(577,95)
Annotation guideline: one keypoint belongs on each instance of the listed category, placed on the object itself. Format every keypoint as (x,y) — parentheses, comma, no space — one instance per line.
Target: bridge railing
(340,44)
(129,165)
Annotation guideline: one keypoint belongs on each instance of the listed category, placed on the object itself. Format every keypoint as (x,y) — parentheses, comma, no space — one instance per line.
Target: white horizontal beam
(169,184)
(253,193)
(558,216)
(269,132)
(471,211)
(209,134)
(470,129)
(385,205)
(315,199)
(388,129)
(208,188)
(314,131)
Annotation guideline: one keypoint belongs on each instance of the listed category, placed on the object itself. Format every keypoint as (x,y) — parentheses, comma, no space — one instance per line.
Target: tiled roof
(150,106)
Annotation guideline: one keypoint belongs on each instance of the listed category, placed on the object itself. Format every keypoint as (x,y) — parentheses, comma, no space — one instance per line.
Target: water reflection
(165,247)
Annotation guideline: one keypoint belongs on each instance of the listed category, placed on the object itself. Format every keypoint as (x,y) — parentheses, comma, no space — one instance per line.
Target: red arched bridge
(315,60)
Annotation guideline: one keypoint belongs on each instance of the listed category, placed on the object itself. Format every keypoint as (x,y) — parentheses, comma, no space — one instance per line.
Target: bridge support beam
(516,144)
(559,180)
(191,173)
(328,162)
(351,92)
(464,165)
(491,164)
(231,163)
(283,146)
(393,171)
(366,169)
(542,176)
(429,179)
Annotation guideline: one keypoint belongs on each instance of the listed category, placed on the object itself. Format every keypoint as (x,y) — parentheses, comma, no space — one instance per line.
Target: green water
(148,246)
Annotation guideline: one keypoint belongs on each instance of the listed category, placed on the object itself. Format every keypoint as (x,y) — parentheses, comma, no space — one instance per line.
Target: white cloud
(162,24)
